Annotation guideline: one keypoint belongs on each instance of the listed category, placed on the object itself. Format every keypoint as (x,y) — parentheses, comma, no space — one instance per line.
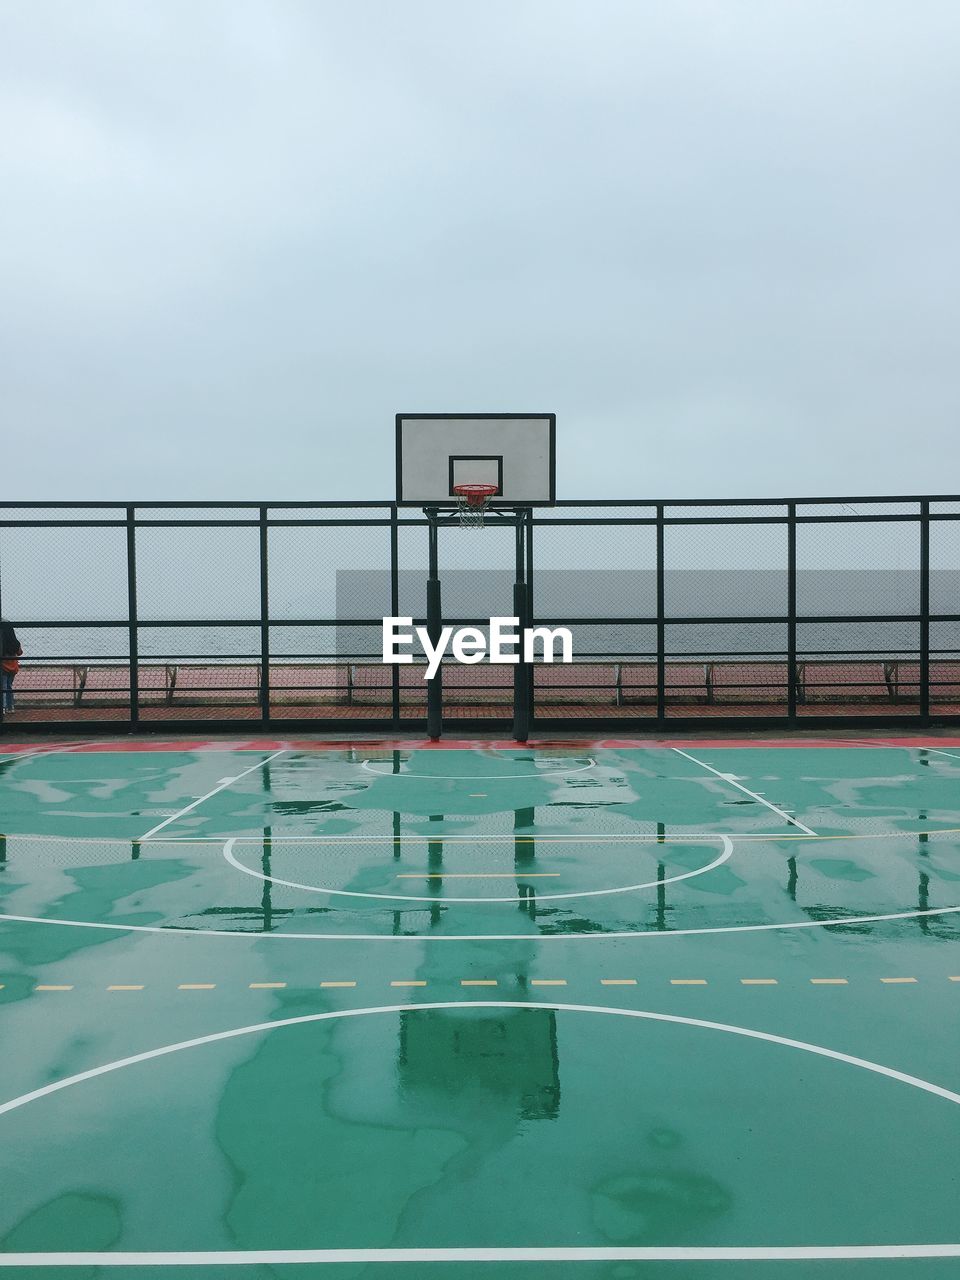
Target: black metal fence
(236,616)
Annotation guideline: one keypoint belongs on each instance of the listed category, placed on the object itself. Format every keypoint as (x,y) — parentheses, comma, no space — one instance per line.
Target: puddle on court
(515,885)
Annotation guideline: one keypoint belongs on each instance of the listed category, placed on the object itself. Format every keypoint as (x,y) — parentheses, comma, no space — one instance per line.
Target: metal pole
(4,847)
(264,621)
(434,626)
(792,612)
(521,709)
(530,670)
(395,607)
(133,649)
(661,625)
(925,611)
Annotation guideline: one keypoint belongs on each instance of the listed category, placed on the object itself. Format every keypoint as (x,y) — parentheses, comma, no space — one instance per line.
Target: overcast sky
(719,240)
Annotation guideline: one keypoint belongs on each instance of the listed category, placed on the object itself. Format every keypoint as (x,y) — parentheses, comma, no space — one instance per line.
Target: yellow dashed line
(485,982)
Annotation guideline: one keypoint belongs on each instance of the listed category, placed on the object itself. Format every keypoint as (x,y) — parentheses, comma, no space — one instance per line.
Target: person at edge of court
(10,651)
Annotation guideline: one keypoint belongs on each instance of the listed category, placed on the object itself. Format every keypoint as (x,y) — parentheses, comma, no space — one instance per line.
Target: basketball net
(472,503)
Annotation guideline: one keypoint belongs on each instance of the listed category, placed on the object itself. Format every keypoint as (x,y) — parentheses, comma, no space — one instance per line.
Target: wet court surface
(595,1012)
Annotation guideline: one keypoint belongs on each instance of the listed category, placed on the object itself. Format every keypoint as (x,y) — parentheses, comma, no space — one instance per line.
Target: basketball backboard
(438,451)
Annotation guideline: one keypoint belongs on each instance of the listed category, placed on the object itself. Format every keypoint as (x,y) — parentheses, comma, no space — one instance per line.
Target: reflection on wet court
(636,1010)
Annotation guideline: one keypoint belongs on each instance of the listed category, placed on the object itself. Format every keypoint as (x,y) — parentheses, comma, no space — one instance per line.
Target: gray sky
(718,239)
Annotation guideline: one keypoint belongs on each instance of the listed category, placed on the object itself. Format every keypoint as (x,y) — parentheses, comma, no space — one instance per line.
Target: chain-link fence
(808,611)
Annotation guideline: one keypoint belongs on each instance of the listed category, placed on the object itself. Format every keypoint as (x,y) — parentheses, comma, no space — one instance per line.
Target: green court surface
(591,1011)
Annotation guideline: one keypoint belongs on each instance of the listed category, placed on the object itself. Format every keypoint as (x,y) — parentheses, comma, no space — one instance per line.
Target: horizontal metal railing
(659,677)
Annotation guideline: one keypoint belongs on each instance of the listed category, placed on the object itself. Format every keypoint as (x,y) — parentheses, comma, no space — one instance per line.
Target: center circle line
(725,853)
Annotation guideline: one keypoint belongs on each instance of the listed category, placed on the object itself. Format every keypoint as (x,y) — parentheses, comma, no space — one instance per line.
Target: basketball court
(599,1008)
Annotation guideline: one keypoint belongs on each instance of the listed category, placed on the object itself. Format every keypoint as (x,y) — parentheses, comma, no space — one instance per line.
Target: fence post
(792,612)
(531,686)
(925,611)
(434,626)
(1,615)
(661,624)
(521,710)
(395,606)
(264,621)
(133,648)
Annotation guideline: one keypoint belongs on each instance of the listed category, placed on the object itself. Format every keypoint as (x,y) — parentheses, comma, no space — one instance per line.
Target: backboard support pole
(521,609)
(434,627)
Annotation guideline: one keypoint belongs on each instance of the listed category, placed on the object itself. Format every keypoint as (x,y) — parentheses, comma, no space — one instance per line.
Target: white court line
(891,746)
(681,837)
(938,752)
(726,851)
(641,1253)
(180,931)
(478,777)
(640,837)
(62,749)
(221,786)
(9,756)
(664,1253)
(728,778)
(677,837)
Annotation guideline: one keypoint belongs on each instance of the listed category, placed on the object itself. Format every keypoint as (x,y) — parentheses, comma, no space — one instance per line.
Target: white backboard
(516,452)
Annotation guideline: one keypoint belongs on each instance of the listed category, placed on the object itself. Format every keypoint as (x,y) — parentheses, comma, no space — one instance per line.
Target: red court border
(135,745)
